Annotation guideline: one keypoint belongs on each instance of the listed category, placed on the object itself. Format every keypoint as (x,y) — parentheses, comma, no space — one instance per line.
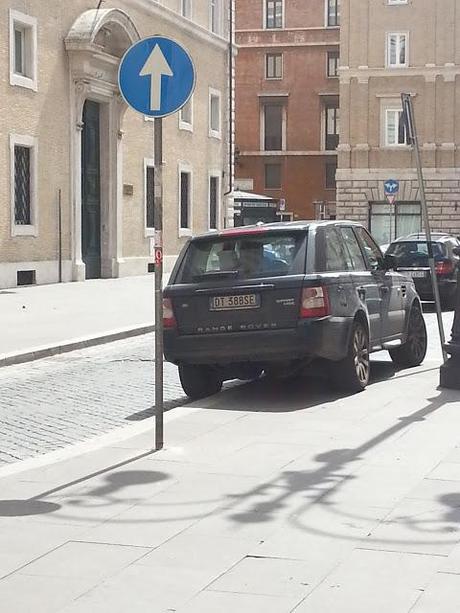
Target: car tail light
(444,268)
(314,302)
(169,321)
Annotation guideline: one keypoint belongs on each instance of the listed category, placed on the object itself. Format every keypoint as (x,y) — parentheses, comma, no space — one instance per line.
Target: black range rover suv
(276,297)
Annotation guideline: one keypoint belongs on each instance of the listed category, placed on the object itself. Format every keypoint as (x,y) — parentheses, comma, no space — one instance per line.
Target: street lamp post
(450,371)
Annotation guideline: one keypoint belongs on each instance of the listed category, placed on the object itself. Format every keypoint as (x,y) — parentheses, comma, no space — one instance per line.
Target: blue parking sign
(156,76)
(391,187)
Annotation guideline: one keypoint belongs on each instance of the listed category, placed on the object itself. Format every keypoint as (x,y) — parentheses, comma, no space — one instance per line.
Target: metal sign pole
(409,118)
(158,222)
(148,68)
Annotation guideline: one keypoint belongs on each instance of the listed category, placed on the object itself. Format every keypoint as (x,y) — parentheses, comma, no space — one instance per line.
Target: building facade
(76,191)
(388,47)
(287,102)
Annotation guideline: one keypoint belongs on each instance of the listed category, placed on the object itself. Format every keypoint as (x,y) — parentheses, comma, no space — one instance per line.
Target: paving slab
(268,577)
(23,594)
(441,595)
(417,526)
(374,581)
(138,589)
(210,602)
(328,522)
(79,559)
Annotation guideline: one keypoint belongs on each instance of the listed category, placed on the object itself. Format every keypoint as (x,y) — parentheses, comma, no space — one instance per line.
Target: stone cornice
(189,27)
(281,30)
(321,43)
(286,153)
(449,72)
(381,174)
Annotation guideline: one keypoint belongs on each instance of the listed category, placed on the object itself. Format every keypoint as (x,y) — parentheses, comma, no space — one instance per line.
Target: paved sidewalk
(45,319)
(266,499)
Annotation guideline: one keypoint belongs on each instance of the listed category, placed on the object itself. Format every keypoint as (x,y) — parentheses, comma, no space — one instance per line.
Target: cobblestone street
(65,399)
(61,400)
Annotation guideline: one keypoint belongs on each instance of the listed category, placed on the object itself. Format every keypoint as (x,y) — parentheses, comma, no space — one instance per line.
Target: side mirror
(389,262)
(456,251)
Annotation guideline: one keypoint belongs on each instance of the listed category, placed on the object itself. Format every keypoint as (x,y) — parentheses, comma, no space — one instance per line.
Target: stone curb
(81,343)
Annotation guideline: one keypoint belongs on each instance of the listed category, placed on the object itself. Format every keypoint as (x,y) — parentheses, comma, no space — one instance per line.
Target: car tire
(413,351)
(199,381)
(353,372)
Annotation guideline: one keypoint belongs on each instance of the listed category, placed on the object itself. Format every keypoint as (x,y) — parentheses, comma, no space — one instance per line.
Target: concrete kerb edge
(82,343)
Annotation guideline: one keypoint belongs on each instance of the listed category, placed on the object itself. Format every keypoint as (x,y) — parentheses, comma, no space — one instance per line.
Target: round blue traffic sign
(156,76)
(391,187)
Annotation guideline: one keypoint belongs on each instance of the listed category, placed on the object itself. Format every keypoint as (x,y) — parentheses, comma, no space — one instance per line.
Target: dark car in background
(276,297)
(411,260)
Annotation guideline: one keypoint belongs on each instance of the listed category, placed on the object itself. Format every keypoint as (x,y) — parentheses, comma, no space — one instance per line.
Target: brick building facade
(287,99)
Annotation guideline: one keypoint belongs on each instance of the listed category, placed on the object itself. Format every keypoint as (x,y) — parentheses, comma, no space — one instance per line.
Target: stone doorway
(95,45)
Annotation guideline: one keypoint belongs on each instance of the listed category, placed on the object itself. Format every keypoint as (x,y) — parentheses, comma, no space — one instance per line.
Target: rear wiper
(215,274)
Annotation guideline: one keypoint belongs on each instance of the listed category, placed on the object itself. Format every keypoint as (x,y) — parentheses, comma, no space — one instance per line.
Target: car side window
(373,254)
(353,249)
(335,260)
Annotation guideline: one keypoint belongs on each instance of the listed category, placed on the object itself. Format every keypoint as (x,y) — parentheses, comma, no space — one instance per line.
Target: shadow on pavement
(168,405)
(319,486)
(296,394)
(260,504)
(36,506)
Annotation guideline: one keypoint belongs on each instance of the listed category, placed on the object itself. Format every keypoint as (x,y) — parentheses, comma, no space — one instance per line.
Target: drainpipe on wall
(231,111)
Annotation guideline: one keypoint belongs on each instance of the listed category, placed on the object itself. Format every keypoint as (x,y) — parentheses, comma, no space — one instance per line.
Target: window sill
(185,232)
(19,230)
(216,135)
(149,232)
(22,81)
(186,127)
(396,147)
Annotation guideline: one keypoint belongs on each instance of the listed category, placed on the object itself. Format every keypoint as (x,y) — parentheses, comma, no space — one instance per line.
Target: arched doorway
(95,45)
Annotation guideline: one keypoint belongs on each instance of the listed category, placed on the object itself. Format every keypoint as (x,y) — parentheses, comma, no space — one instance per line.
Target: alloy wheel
(361,355)
(417,335)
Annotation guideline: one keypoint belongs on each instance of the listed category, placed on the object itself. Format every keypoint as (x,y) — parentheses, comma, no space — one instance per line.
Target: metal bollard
(450,371)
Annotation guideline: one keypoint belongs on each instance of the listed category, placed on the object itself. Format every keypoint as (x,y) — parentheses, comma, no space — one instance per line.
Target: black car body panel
(223,317)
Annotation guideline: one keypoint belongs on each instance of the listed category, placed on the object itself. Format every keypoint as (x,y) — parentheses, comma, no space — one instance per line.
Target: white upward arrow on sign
(155,67)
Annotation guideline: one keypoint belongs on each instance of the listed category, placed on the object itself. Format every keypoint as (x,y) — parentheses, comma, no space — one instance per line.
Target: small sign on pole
(391,198)
(156,78)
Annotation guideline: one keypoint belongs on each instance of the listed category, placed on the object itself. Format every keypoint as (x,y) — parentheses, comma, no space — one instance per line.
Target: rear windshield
(415,253)
(244,257)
